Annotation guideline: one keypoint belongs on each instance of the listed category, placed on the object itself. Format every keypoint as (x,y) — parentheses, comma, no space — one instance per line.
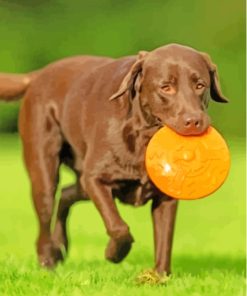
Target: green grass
(208,254)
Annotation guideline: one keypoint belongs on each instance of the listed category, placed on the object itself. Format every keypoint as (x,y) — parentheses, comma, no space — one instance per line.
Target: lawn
(208,254)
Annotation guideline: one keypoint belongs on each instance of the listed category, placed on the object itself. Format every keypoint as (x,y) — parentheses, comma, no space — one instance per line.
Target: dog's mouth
(196,131)
(192,133)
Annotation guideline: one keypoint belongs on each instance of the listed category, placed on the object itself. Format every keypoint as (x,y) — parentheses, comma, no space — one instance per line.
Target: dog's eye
(168,89)
(200,85)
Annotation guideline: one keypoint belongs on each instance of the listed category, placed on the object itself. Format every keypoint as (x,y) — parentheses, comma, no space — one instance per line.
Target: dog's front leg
(163,214)
(120,237)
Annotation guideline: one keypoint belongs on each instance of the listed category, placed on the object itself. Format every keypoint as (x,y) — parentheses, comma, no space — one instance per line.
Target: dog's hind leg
(42,142)
(69,196)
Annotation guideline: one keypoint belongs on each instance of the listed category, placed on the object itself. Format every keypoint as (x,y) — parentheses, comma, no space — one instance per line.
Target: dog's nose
(192,123)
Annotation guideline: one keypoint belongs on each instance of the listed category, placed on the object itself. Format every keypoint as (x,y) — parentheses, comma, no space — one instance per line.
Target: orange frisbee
(187,167)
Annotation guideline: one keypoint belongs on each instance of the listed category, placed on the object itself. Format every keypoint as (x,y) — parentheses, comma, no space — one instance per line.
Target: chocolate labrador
(96,115)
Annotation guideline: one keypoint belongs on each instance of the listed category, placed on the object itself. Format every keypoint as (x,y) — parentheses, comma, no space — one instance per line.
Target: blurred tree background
(34,33)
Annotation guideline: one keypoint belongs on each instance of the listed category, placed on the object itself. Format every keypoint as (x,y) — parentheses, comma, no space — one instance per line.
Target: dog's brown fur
(96,115)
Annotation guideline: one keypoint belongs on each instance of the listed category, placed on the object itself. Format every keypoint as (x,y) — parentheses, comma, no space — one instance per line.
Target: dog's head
(174,84)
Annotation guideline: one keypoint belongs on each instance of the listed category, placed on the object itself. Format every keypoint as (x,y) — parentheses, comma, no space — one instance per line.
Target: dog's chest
(130,182)
(128,163)
(128,148)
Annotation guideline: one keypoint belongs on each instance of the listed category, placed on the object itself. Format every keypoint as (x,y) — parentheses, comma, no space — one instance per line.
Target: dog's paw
(59,237)
(118,249)
(152,277)
(50,256)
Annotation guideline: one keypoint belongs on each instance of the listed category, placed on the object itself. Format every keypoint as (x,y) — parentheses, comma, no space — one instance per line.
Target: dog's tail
(14,86)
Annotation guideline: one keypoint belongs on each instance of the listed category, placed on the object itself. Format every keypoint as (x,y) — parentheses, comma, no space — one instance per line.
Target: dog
(97,115)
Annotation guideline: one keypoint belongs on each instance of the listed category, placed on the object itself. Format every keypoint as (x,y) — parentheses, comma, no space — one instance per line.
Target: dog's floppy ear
(130,78)
(215,90)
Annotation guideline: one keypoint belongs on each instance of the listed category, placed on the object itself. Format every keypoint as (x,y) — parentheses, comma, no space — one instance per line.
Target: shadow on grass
(207,263)
(195,264)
